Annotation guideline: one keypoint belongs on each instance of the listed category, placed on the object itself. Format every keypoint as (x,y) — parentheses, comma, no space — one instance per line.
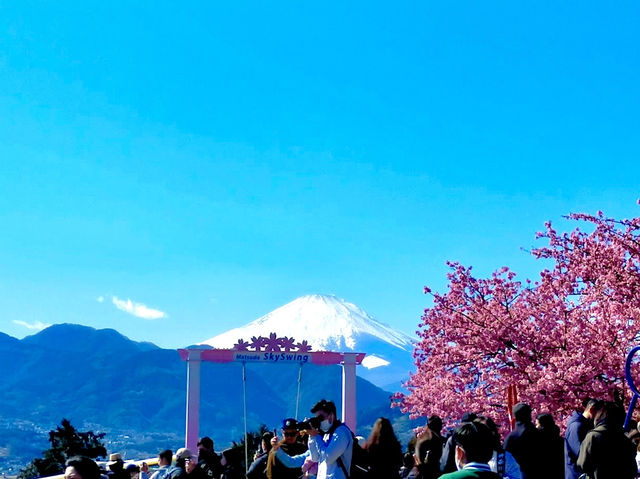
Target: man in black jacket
(209,466)
(524,444)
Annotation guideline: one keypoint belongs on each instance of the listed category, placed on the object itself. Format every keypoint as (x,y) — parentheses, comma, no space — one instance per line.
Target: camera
(309,423)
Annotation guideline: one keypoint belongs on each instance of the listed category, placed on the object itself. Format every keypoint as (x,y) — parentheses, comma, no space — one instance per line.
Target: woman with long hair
(552,446)
(384,452)
(258,468)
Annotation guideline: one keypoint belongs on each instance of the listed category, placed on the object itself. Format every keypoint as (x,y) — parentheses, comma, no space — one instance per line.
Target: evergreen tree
(65,442)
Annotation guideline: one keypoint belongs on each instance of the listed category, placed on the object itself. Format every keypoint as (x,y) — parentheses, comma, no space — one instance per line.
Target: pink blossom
(558,340)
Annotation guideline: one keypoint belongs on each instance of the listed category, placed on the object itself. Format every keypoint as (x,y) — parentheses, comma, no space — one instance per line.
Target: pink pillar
(349,390)
(193,399)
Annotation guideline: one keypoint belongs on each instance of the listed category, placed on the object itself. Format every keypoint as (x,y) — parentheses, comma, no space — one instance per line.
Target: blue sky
(214,161)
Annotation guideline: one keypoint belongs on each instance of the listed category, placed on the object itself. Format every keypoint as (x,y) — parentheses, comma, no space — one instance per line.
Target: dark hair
(324,405)
(522,412)
(476,441)
(233,455)
(611,414)
(86,467)
(167,455)
(596,404)
(493,429)
(382,434)
(266,437)
(435,423)
(591,402)
(547,424)
(206,442)
(468,417)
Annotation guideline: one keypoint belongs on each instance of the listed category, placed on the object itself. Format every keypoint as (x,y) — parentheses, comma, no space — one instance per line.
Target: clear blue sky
(215,160)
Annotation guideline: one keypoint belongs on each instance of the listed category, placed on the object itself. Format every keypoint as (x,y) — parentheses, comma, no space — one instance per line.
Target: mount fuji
(329,323)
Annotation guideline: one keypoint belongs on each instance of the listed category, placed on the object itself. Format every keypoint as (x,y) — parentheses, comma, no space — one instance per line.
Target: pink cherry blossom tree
(558,339)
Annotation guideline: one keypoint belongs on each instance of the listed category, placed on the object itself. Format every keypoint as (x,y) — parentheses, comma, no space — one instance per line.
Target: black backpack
(359,462)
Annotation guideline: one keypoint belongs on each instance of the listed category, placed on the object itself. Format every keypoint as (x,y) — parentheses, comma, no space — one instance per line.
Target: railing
(103,465)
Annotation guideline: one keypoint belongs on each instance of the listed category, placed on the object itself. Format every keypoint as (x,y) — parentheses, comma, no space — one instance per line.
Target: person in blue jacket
(578,425)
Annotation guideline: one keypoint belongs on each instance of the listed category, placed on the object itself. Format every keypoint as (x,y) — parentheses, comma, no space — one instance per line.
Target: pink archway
(267,350)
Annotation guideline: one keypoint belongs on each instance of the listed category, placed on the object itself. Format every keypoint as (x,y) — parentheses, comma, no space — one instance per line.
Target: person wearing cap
(290,446)
(473,450)
(524,443)
(185,464)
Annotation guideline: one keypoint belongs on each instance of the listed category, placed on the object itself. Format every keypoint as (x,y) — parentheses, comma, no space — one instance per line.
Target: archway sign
(267,350)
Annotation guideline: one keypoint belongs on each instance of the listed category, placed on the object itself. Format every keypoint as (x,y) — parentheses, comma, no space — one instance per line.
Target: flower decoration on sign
(257,343)
(304,346)
(273,343)
(241,345)
(288,344)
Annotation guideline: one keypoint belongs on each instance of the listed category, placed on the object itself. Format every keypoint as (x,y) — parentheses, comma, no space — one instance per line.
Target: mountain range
(135,391)
(327,322)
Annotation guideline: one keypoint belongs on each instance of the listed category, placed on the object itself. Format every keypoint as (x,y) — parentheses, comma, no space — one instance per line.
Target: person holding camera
(330,444)
(332,449)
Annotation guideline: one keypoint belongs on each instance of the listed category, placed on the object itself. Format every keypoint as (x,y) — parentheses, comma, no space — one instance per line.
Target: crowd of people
(594,446)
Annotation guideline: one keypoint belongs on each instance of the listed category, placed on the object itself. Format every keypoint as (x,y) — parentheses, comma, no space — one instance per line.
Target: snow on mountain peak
(326,322)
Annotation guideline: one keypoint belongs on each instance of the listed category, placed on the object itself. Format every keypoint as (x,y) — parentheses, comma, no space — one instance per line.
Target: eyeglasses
(290,434)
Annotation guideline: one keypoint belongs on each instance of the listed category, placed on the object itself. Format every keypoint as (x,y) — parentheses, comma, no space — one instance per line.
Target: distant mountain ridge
(330,323)
(136,392)
(78,338)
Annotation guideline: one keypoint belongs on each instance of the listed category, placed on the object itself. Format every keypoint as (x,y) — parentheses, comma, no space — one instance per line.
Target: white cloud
(100,299)
(37,326)
(138,309)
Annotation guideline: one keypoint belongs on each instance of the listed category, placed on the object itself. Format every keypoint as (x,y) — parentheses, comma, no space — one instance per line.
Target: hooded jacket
(607,453)
(577,428)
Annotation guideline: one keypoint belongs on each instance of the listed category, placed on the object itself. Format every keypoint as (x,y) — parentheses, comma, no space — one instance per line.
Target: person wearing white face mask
(330,444)
(332,449)
(473,451)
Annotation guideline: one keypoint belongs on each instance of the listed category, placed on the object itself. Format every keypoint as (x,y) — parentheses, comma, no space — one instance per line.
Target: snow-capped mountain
(332,324)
